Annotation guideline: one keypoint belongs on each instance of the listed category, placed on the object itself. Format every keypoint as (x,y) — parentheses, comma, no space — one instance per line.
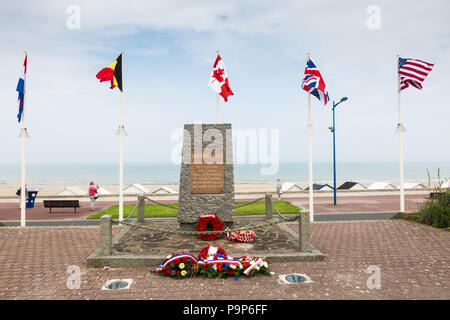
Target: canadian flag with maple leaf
(219,79)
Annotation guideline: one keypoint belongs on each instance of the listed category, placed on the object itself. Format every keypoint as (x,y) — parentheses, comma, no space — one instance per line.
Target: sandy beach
(9,190)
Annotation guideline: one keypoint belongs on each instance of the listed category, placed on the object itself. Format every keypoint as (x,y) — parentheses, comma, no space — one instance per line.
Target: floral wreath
(178,265)
(206,220)
(212,253)
(212,262)
(241,236)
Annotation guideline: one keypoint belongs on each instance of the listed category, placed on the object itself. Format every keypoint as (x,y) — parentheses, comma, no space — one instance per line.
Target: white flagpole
(217,101)
(217,108)
(121,133)
(400,129)
(23,136)
(311,189)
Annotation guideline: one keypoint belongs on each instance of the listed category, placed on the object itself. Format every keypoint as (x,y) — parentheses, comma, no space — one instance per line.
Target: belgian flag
(112,73)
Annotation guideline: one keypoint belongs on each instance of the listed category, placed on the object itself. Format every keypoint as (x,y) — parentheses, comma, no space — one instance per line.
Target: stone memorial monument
(206,176)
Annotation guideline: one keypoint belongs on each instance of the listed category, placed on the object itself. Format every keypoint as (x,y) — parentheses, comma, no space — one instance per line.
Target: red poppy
(246,264)
(219,267)
(168,271)
(244,258)
(178,272)
(230,271)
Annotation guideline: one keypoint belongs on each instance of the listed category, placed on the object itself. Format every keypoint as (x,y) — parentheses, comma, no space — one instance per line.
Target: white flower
(232,266)
(257,268)
(265,264)
(169,256)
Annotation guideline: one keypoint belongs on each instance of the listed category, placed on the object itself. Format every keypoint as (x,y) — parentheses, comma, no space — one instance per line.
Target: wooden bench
(61,204)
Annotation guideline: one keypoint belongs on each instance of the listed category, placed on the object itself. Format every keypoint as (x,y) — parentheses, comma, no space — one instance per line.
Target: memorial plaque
(207,177)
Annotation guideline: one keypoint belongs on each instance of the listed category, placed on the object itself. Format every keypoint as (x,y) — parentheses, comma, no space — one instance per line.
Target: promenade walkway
(348,203)
(414,262)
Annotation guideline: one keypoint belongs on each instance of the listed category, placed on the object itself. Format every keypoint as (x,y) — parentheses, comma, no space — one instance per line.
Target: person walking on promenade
(93,194)
(278,187)
(19,191)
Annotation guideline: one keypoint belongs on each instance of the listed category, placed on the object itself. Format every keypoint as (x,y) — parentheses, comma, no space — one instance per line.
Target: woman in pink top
(93,194)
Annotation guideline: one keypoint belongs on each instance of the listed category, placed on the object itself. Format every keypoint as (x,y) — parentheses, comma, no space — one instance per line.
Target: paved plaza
(413,261)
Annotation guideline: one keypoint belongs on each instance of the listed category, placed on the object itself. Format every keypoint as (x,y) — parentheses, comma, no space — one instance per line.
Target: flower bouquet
(254,265)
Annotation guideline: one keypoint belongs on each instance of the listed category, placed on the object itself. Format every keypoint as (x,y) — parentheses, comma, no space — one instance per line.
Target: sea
(169,173)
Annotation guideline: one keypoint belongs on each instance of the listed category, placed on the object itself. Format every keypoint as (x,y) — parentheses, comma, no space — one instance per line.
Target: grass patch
(259,208)
(412,217)
(159,211)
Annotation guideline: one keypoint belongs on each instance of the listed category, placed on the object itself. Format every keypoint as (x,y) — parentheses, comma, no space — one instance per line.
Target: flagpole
(217,108)
(310,164)
(311,189)
(23,135)
(217,102)
(121,133)
(400,129)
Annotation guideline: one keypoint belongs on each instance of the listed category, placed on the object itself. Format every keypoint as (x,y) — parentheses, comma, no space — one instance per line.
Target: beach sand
(9,190)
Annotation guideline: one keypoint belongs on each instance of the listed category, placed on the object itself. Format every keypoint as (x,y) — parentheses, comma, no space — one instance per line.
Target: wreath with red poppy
(209,222)
(203,255)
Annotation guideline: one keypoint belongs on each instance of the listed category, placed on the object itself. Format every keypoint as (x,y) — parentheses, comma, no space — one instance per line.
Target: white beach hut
(413,185)
(290,186)
(72,191)
(103,191)
(164,190)
(135,188)
(381,186)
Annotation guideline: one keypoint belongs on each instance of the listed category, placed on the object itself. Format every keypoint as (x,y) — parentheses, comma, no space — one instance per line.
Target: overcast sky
(169,48)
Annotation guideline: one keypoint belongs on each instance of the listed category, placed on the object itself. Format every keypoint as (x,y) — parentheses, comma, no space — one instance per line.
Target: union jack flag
(413,72)
(313,82)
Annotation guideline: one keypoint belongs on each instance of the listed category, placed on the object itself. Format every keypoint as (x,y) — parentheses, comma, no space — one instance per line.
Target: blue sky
(169,48)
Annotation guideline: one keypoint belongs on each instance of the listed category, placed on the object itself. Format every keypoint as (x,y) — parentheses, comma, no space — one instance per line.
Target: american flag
(413,72)
(313,82)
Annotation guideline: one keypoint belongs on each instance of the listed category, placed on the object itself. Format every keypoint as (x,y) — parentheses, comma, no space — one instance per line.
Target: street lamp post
(333,129)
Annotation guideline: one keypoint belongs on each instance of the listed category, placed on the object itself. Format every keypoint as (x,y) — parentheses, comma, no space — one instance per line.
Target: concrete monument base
(206,175)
